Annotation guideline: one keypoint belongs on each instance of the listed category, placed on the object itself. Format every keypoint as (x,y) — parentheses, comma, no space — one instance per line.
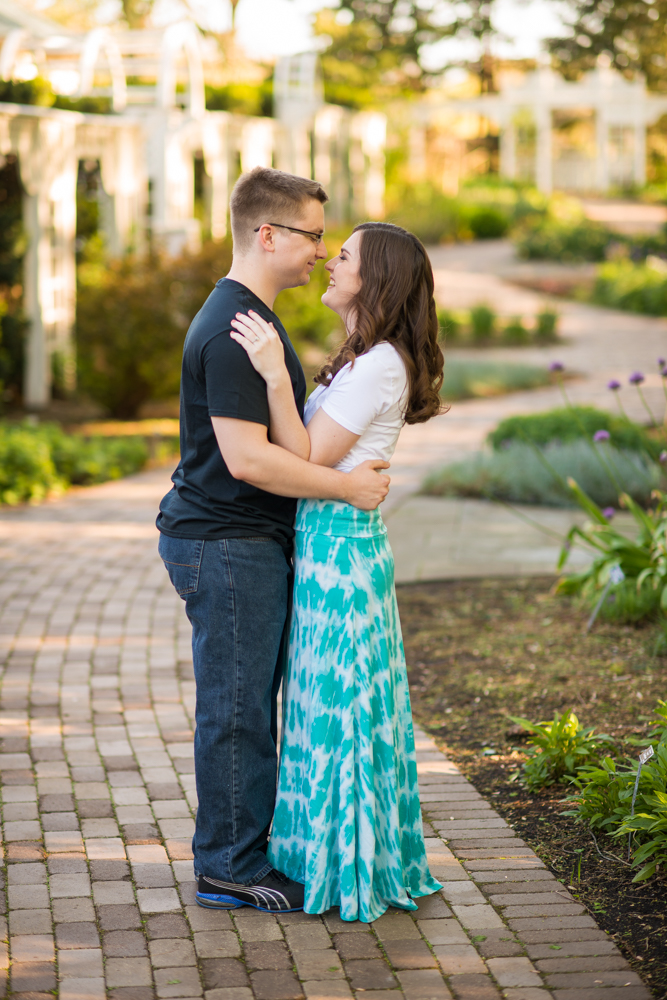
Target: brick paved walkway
(96,766)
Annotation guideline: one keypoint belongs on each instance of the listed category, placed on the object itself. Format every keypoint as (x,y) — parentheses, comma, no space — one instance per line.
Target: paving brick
(33,977)
(56,803)
(231,993)
(32,948)
(124,944)
(331,989)
(30,921)
(514,972)
(105,849)
(164,790)
(573,949)
(118,918)
(356,945)
(67,864)
(57,821)
(63,886)
(80,963)
(112,893)
(23,830)
(132,993)
(180,981)
(264,955)
(425,984)
(207,920)
(168,952)
(608,993)
(306,937)
(465,893)
(223,972)
(443,931)
(370,975)
(543,910)
(94,808)
(396,926)
(432,907)
(409,955)
(477,917)
(275,986)
(591,963)
(318,965)
(26,875)
(498,947)
(217,944)
(563,934)
(551,923)
(70,911)
(458,959)
(153,876)
(109,870)
(82,989)
(24,852)
(475,987)
(77,935)
(128,972)
(167,925)
(590,980)
(27,897)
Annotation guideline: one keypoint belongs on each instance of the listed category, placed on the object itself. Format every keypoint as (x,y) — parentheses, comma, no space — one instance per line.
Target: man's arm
(250,456)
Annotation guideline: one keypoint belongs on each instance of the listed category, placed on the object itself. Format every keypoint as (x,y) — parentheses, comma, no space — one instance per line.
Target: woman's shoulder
(384,354)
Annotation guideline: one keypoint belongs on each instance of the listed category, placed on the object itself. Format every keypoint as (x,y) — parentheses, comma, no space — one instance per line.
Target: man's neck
(246,271)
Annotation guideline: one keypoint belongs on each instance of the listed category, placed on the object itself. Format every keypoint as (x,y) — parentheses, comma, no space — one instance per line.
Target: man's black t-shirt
(218,380)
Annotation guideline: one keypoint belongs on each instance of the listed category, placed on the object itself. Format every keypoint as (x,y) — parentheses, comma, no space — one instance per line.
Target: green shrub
(515,332)
(570,424)
(604,800)
(488,223)
(482,322)
(557,749)
(450,325)
(472,379)
(38,461)
(566,241)
(546,326)
(520,474)
(132,317)
(622,284)
(428,213)
(642,561)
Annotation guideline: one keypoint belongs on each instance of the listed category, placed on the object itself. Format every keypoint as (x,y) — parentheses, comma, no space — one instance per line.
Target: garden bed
(482,650)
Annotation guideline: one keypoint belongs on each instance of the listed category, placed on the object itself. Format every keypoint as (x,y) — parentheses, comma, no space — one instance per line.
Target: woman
(347,822)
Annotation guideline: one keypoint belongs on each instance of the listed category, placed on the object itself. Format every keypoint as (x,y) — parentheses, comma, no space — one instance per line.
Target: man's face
(296,254)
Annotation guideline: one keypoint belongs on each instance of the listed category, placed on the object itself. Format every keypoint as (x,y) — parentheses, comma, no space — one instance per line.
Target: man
(226,535)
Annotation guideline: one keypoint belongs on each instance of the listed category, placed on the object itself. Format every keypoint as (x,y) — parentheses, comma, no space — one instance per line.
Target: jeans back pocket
(182,558)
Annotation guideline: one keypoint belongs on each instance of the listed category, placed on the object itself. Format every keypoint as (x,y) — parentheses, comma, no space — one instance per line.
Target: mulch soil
(480,651)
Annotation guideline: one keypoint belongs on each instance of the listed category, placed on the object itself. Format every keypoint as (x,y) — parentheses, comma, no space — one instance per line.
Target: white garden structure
(146,150)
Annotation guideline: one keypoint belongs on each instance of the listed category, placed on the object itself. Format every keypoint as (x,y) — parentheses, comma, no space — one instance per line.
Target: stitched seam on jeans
(236,690)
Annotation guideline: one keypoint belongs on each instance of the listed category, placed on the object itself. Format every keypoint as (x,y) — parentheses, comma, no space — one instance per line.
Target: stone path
(96,767)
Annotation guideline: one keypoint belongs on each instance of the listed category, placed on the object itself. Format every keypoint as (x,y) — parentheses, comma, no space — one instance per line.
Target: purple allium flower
(608,512)
(636,378)
(662,362)
(556,366)
(613,385)
(662,457)
(601,436)
(663,372)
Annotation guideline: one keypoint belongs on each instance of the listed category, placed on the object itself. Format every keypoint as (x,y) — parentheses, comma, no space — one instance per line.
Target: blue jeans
(236,593)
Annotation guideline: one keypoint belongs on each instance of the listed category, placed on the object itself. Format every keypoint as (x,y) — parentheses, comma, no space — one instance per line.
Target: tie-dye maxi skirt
(347,822)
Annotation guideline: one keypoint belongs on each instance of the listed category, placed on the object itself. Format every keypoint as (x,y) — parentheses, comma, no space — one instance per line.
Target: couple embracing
(301,591)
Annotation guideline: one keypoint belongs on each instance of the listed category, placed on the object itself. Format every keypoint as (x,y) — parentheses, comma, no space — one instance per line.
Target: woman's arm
(329,441)
(266,351)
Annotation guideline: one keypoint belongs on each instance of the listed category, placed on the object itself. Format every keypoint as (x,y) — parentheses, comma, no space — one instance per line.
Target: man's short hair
(267,195)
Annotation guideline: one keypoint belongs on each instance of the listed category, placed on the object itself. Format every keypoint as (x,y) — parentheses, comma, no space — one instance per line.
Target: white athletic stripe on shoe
(262,896)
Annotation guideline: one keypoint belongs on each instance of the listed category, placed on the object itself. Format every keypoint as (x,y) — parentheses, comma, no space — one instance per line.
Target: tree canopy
(632,34)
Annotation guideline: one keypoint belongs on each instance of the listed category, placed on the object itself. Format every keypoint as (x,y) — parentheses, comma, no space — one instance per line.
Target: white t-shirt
(367,399)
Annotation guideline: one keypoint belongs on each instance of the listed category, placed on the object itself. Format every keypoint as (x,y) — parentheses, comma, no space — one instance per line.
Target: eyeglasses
(315,237)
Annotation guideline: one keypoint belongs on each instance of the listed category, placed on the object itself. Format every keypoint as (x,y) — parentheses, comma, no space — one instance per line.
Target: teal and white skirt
(347,822)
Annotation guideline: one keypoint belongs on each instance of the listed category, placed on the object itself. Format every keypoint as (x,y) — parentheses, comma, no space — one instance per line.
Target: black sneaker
(275,893)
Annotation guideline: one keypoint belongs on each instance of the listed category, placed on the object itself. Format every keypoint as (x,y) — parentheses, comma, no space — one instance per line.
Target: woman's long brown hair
(395,305)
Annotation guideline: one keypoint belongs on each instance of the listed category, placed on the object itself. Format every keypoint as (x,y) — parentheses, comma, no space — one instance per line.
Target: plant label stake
(616,576)
(643,757)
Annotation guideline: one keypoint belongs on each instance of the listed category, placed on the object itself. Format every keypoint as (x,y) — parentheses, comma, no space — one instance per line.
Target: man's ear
(267,238)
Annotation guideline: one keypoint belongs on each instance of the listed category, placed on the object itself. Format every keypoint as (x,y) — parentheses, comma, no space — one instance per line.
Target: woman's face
(344,280)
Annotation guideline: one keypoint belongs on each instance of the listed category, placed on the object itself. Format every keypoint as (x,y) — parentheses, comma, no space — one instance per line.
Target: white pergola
(146,152)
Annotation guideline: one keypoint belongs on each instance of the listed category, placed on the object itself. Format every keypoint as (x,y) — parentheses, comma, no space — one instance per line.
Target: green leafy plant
(515,332)
(546,326)
(569,241)
(40,461)
(524,473)
(557,749)
(573,423)
(487,222)
(643,562)
(604,800)
(482,322)
(637,287)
